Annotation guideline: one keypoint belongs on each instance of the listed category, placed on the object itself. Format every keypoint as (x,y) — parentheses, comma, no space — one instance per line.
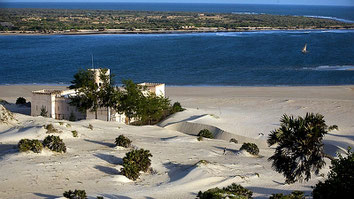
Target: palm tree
(300,148)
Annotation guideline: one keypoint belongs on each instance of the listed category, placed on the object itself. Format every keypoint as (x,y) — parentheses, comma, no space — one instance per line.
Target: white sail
(304,50)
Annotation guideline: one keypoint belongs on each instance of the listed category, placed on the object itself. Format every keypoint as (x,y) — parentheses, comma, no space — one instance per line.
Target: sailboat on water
(304,50)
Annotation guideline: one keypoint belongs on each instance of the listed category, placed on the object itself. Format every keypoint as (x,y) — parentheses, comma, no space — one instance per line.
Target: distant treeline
(46,20)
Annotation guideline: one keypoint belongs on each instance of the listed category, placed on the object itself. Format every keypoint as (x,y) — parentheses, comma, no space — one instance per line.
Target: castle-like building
(56,103)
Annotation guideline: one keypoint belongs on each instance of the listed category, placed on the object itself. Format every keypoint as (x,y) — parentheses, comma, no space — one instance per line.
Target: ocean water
(238,59)
(241,58)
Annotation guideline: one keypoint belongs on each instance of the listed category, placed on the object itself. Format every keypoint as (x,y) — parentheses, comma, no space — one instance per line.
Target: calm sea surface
(249,58)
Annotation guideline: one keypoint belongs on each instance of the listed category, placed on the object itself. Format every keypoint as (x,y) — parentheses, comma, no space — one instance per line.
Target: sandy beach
(93,163)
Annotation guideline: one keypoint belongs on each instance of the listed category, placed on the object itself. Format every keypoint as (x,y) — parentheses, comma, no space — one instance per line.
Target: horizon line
(227,3)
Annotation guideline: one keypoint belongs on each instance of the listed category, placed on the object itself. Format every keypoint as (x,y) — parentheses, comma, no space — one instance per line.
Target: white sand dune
(93,163)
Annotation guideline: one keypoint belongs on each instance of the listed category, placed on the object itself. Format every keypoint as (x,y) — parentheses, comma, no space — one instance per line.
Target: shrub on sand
(135,161)
(233,140)
(293,195)
(54,143)
(206,133)
(50,129)
(30,145)
(75,134)
(176,107)
(231,191)
(123,141)
(90,126)
(77,194)
(251,148)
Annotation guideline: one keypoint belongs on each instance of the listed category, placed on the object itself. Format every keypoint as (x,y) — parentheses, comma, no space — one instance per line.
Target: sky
(295,2)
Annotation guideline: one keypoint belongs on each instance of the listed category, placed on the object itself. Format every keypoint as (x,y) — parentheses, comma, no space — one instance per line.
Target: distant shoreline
(204,30)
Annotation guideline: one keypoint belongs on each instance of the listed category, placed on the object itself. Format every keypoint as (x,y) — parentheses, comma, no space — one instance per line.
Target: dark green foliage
(75,134)
(72,117)
(50,129)
(90,126)
(135,161)
(176,107)
(44,112)
(233,140)
(77,194)
(300,148)
(233,191)
(146,109)
(21,101)
(87,91)
(30,145)
(206,133)
(54,143)
(130,99)
(123,141)
(340,180)
(251,148)
(152,108)
(200,138)
(293,195)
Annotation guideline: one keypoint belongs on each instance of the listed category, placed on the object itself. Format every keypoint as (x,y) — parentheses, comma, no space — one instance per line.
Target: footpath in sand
(93,163)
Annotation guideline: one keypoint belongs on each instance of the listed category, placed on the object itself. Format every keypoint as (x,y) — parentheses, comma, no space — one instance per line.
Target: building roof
(47,91)
(149,84)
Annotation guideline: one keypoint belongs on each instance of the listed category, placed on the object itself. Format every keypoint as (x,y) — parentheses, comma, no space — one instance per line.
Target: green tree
(89,95)
(108,95)
(300,149)
(153,108)
(129,100)
(340,180)
(44,112)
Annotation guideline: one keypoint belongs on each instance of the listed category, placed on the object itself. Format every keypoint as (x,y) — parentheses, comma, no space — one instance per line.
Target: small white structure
(57,103)
(157,88)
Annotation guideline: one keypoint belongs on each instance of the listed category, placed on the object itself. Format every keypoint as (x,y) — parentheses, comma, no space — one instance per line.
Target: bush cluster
(54,143)
(30,145)
(123,141)
(176,107)
(75,134)
(77,194)
(231,191)
(206,133)
(21,101)
(233,140)
(50,129)
(90,126)
(135,161)
(251,148)
(340,180)
(293,195)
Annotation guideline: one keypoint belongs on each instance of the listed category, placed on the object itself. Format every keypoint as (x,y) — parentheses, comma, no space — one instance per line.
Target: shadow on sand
(108,144)
(109,158)
(46,196)
(107,170)
(7,149)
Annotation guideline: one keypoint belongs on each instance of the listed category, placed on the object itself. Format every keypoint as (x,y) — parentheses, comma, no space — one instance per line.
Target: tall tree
(130,99)
(108,94)
(153,107)
(300,148)
(89,95)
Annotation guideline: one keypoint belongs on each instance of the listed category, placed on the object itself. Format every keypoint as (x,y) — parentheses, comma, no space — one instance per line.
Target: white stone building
(57,103)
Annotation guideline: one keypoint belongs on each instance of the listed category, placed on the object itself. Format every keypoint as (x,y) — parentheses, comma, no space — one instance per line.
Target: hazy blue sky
(301,2)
